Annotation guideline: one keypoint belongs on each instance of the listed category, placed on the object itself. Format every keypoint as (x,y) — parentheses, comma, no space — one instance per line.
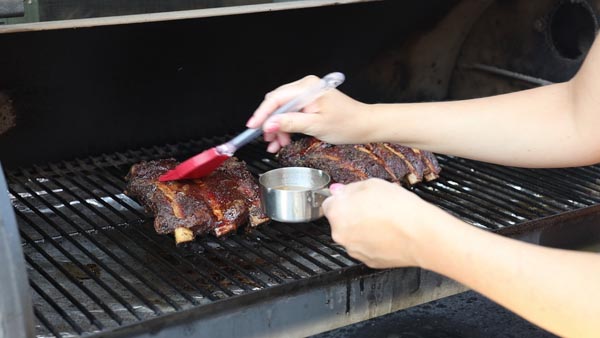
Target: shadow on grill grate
(95,262)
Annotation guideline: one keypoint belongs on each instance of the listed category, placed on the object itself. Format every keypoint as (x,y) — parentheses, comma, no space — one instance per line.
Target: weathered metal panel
(10,8)
(16,310)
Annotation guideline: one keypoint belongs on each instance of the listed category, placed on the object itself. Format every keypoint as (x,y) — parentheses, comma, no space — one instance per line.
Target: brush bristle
(196,167)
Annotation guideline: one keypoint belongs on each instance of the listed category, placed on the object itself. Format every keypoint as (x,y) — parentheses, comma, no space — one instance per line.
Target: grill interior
(95,263)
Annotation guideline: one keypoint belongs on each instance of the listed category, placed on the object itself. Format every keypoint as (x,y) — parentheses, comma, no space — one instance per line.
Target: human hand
(381,223)
(333,118)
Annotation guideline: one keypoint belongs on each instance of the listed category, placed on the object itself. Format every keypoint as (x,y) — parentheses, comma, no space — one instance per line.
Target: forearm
(533,128)
(556,289)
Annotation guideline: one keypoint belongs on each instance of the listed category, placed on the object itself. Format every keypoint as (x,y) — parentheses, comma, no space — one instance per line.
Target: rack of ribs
(218,203)
(357,162)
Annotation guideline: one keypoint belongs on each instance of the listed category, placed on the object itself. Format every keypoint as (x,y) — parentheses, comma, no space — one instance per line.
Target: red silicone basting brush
(209,160)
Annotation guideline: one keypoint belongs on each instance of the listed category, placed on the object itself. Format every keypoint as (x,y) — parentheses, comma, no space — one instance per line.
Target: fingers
(277,141)
(284,139)
(273,147)
(277,98)
(292,123)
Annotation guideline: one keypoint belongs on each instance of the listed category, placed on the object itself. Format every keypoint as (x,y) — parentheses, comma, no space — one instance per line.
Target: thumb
(291,123)
(336,188)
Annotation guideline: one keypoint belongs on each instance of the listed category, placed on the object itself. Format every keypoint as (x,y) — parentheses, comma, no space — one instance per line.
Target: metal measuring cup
(294,194)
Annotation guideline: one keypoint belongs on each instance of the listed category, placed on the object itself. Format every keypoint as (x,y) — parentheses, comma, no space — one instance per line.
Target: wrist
(434,238)
(367,122)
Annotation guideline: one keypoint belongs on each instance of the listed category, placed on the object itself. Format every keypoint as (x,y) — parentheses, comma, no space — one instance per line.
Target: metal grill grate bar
(455,208)
(81,266)
(584,192)
(73,281)
(143,234)
(268,259)
(93,320)
(79,210)
(40,316)
(251,280)
(500,183)
(56,308)
(522,185)
(118,243)
(268,234)
(93,240)
(244,258)
(308,245)
(475,203)
(263,242)
(329,246)
(532,182)
(82,249)
(496,192)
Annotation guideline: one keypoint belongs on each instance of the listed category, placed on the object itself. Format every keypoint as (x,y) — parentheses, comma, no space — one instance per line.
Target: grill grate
(95,262)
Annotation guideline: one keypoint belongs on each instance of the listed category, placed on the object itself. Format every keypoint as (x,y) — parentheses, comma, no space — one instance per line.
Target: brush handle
(327,82)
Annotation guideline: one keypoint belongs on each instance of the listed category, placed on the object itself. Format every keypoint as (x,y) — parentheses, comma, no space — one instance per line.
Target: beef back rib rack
(94,263)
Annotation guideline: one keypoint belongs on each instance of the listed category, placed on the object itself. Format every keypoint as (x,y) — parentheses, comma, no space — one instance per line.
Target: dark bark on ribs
(218,203)
(351,163)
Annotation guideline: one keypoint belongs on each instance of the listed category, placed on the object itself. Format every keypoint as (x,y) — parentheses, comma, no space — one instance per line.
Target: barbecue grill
(79,106)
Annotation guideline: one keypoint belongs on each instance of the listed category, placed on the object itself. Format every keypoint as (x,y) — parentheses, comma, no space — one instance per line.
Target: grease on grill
(78,273)
(7,113)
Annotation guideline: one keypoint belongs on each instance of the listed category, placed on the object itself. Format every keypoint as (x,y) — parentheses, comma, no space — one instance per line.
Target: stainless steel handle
(318,196)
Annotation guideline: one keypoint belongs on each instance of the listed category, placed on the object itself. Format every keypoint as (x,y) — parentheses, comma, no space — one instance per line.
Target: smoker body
(83,99)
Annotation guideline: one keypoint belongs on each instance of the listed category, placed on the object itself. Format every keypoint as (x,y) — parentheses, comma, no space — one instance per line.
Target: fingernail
(272,148)
(271,126)
(250,122)
(335,188)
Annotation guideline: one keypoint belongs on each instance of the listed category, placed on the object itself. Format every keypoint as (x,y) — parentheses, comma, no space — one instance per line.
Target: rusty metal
(8,117)
(12,8)
(508,74)
(544,40)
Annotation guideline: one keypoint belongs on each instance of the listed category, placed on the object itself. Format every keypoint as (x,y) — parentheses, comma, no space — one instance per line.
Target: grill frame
(16,300)
(345,290)
(341,284)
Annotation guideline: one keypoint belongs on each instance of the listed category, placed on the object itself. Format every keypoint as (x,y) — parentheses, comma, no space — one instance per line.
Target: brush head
(198,166)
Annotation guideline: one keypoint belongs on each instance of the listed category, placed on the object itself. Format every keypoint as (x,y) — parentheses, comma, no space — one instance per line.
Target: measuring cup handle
(318,196)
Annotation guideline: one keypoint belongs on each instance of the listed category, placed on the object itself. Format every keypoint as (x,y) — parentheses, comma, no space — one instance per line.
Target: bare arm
(384,225)
(534,128)
(558,290)
(552,126)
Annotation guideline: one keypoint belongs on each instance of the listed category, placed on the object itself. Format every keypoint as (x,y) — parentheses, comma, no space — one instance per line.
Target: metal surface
(294,194)
(310,308)
(11,8)
(523,44)
(68,14)
(96,265)
(509,74)
(16,315)
(138,74)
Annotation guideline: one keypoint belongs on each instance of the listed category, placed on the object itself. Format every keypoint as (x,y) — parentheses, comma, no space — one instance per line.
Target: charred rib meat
(218,203)
(356,162)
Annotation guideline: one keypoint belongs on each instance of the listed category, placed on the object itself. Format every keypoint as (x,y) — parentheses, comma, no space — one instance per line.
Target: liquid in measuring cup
(291,187)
